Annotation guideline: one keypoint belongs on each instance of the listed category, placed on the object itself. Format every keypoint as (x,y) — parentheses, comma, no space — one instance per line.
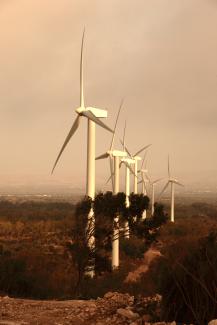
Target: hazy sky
(160,55)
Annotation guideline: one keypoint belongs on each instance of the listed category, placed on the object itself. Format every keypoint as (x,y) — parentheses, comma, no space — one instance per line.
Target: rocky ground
(113,309)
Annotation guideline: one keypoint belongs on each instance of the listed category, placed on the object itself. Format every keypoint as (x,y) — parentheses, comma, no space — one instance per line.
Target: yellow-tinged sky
(161,55)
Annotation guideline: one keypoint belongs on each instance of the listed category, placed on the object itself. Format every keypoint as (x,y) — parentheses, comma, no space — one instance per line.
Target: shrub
(133,247)
(188,280)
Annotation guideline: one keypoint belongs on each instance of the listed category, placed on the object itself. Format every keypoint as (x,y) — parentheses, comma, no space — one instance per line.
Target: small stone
(213,322)
(137,322)
(108,295)
(127,314)
(146,318)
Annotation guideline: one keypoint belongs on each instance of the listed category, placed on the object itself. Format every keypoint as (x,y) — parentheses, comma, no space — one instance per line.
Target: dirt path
(108,310)
(149,256)
(26,312)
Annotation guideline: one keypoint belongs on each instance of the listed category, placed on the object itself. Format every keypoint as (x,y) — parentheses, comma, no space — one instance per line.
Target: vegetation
(44,253)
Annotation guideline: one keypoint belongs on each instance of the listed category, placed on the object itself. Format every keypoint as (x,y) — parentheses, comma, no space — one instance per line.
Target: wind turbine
(92,114)
(144,174)
(127,161)
(153,183)
(144,180)
(114,159)
(171,181)
(136,158)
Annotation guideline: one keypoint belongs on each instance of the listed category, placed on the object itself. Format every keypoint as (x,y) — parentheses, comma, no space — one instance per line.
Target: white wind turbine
(144,174)
(136,158)
(145,179)
(153,184)
(127,161)
(92,114)
(171,181)
(114,158)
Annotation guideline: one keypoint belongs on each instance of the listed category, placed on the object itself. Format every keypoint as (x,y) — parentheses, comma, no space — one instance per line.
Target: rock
(108,295)
(213,322)
(127,314)
(137,322)
(146,318)
(5,322)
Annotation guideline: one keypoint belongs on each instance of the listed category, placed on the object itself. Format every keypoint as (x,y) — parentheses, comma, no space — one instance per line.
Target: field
(35,234)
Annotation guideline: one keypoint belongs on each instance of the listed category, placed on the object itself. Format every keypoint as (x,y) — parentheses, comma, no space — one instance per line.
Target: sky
(159,55)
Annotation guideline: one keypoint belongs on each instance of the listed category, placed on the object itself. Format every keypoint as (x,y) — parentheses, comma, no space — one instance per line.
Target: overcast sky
(160,55)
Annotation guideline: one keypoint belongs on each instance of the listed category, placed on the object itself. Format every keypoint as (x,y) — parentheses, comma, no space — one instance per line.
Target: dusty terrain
(113,308)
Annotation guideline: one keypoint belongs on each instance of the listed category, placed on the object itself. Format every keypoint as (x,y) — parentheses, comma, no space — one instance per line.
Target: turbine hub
(80,110)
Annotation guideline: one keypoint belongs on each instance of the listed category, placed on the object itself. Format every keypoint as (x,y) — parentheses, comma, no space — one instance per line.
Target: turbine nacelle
(97,112)
(118,153)
(173,180)
(128,160)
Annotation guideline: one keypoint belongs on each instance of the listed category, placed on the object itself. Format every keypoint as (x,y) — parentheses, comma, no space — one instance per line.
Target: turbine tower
(127,161)
(144,180)
(172,182)
(153,183)
(114,158)
(92,114)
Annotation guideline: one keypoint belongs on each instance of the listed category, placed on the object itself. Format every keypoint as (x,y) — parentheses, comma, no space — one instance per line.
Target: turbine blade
(112,172)
(138,152)
(81,73)
(71,132)
(148,178)
(93,118)
(163,190)
(128,166)
(116,122)
(168,166)
(144,159)
(125,125)
(125,148)
(108,180)
(178,183)
(144,182)
(105,155)
(157,180)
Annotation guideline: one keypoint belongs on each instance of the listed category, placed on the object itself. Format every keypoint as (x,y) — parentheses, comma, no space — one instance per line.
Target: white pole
(144,192)
(91,159)
(127,191)
(90,186)
(143,188)
(152,199)
(172,202)
(135,176)
(115,239)
(117,174)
